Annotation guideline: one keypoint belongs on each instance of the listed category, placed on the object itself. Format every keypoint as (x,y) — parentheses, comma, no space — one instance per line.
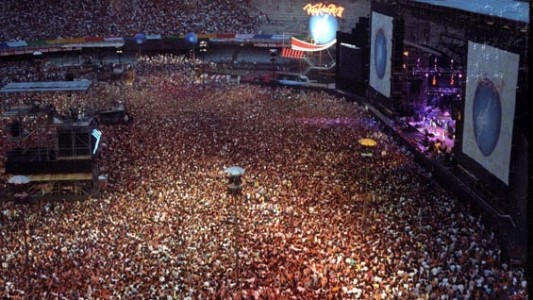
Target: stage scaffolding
(55,151)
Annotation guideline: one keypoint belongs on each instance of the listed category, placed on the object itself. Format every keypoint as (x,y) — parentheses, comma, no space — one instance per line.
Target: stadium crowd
(316,220)
(43,19)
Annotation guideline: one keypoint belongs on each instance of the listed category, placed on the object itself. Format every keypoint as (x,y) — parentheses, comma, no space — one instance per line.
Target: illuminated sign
(97,134)
(323,26)
(320,8)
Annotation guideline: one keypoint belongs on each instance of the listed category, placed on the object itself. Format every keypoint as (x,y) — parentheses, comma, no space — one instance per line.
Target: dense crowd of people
(316,219)
(43,19)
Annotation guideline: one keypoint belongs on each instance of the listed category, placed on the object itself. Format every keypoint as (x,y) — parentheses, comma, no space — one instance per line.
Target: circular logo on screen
(380,53)
(323,28)
(487,116)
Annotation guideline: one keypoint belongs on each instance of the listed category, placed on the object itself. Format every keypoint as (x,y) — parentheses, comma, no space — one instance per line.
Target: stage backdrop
(380,53)
(490,97)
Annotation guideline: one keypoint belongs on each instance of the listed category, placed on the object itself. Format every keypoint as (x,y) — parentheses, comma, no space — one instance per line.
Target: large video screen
(490,96)
(380,53)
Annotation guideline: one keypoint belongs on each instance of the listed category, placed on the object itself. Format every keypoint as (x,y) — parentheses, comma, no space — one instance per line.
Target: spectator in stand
(55,19)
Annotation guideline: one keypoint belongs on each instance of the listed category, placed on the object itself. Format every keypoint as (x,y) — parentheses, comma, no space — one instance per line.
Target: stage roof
(46,86)
(508,9)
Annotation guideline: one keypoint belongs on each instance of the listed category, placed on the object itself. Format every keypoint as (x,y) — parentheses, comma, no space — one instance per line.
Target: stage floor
(429,131)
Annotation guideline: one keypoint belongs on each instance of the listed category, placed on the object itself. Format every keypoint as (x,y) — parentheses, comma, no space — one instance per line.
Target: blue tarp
(46,86)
